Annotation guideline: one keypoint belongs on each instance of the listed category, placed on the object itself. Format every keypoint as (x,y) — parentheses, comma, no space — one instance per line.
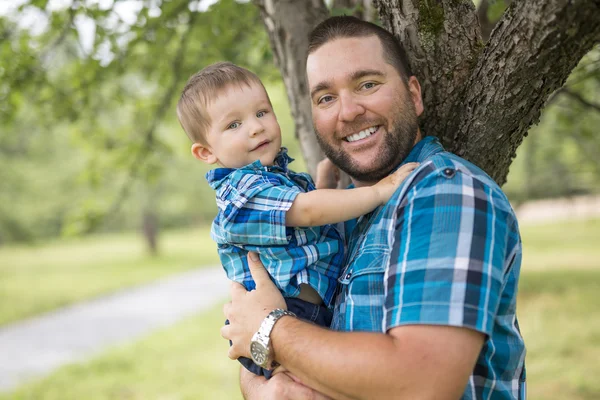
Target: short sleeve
(449,250)
(253,212)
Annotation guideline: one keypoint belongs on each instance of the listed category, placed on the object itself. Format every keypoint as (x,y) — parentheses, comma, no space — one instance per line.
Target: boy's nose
(256,128)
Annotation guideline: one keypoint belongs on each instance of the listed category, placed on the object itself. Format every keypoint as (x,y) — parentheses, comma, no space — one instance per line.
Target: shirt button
(349,275)
(449,172)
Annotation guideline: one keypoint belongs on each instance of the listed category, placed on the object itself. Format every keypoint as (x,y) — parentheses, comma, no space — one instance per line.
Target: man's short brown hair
(340,27)
(203,87)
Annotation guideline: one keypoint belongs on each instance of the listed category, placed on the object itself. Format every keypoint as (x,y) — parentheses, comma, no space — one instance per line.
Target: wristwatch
(260,345)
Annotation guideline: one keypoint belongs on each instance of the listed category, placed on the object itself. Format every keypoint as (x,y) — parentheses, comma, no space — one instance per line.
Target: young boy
(263,206)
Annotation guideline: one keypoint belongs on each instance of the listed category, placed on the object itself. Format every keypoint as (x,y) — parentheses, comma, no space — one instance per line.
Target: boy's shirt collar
(280,164)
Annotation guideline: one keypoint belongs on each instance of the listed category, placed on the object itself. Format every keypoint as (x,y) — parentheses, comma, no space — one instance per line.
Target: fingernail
(253,256)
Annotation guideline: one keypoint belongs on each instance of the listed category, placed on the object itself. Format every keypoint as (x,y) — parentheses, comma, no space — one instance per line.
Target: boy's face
(243,128)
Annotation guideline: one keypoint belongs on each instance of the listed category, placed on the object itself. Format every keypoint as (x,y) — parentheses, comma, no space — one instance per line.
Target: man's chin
(367,172)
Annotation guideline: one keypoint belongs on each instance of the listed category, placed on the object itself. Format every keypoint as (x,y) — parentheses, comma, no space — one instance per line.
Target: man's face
(365,116)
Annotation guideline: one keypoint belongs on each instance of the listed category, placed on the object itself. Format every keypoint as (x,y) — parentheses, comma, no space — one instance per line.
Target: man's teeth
(361,135)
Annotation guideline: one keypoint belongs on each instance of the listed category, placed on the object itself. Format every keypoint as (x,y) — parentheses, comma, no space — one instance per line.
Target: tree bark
(288,23)
(530,54)
(480,99)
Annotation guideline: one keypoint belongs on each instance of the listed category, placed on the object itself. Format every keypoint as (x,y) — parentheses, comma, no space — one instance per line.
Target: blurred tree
(105,75)
(112,71)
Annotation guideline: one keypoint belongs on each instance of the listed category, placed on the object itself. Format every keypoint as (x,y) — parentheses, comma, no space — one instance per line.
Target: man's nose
(350,108)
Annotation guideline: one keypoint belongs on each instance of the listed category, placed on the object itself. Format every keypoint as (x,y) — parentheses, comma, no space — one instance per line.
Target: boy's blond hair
(203,87)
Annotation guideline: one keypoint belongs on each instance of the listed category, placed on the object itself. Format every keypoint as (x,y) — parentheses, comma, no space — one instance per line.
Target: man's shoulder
(444,174)
(447,163)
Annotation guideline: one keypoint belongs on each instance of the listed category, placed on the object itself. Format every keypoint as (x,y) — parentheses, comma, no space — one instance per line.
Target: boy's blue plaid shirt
(445,250)
(252,202)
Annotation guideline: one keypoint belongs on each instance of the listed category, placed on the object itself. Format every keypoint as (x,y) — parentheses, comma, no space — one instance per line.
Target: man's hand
(246,310)
(282,386)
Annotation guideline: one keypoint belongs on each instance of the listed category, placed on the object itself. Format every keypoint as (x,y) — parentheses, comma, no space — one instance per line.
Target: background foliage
(89,140)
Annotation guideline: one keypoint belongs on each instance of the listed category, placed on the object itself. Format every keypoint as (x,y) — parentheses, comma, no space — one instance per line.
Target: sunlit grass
(567,245)
(41,278)
(558,313)
(187,361)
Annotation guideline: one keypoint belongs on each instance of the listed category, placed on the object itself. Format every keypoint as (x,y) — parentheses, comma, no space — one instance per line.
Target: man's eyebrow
(356,75)
(320,86)
(365,72)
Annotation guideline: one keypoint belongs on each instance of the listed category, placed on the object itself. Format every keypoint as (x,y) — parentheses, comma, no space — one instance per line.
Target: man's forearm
(333,363)
(363,365)
(250,383)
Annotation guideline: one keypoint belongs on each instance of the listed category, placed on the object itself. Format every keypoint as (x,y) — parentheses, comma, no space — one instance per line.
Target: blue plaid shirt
(445,250)
(252,202)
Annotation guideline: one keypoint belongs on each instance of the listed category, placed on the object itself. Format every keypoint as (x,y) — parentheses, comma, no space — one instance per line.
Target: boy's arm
(330,206)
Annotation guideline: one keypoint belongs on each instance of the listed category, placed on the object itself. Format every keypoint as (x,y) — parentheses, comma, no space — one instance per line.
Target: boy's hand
(388,185)
(328,175)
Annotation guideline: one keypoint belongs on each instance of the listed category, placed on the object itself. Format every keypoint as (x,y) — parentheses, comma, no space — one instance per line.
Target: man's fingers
(225,330)
(232,353)
(257,269)
(236,290)
(226,308)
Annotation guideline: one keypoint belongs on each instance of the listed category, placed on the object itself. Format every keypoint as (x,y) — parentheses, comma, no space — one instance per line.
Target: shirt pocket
(363,284)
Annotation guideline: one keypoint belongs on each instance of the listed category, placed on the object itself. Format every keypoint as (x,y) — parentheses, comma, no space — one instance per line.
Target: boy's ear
(203,153)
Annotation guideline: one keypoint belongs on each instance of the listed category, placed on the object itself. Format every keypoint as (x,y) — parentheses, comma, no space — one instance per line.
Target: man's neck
(358,183)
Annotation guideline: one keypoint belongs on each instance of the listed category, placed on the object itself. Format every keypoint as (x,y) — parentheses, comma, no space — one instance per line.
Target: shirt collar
(425,148)
(280,164)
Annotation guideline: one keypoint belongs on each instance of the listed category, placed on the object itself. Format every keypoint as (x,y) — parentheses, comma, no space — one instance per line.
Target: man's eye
(233,125)
(261,114)
(368,85)
(325,99)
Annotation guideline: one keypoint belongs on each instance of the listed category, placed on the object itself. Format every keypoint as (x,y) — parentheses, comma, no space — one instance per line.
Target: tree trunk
(150,231)
(480,99)
(288,23)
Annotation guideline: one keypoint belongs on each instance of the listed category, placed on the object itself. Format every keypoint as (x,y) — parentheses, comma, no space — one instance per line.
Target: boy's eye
(325,99)
(233,125)
(261,114)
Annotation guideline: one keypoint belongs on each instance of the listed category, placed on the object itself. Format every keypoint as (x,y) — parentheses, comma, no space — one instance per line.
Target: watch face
(258,352)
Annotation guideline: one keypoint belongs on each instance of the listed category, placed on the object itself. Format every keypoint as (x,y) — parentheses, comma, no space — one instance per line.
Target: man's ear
(415,93)
(203,153)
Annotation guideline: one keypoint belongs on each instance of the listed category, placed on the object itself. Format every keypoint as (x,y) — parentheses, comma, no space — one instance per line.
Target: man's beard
(396,147)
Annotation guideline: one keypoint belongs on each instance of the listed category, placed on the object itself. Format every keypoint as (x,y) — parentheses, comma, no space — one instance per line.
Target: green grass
(187,361)
(559,309)
(47,276)
(564,246)
(558,313)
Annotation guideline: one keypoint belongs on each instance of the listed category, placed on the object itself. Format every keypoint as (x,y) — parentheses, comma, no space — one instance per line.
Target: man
(428,295)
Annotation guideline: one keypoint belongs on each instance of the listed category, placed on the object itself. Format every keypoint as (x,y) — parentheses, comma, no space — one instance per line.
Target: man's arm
(330,206)
(413,362)
(280,387)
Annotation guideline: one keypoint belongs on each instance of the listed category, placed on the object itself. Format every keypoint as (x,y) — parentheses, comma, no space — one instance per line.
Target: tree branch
(486,25)
(442,39)
(287,23)
(148,137)
(531,52)
(576,96)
